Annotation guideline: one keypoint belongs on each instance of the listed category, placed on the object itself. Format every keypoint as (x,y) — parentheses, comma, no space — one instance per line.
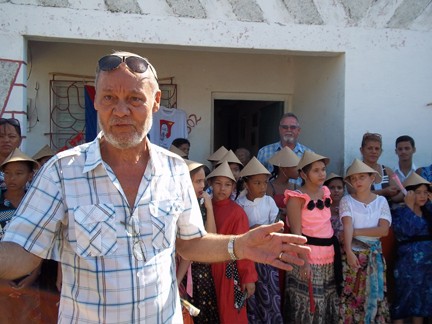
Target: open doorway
(246,123)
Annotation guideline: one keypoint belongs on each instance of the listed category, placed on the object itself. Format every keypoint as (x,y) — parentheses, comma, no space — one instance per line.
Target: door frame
(287,99)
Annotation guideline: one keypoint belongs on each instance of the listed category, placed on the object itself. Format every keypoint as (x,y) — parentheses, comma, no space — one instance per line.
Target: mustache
(124,121)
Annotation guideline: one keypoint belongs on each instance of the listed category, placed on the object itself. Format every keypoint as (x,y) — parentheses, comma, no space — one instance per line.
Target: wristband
(231,248)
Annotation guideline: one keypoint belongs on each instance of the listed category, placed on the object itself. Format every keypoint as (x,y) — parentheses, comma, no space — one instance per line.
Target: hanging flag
(90,114)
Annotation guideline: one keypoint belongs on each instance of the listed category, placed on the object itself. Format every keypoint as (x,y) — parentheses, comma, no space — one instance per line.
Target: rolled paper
(193,311)
(399,184)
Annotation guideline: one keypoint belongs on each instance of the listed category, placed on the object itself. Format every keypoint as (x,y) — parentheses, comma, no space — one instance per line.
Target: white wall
(319,103)
(197,74)
(387,81)
(388,88)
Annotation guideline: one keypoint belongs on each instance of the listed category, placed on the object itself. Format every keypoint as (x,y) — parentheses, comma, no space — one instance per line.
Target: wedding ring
(280,256)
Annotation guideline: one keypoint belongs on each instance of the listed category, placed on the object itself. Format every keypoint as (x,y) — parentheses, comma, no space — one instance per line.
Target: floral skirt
(363,298)
(314,302)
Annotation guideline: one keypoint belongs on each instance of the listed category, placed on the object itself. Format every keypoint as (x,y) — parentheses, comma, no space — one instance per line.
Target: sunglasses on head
(134,63)
(290,127)
(318,204)
(11,121)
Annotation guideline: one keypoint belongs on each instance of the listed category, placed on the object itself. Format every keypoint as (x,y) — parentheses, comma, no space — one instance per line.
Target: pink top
(315,223)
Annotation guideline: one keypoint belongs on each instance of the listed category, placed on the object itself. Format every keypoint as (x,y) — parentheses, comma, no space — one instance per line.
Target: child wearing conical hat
(199,285)
(18,170)
(265,305)
(308,211)
(19,298)
(284,163)
(217,155)
(336,185)
(236,166)
(43,155)
(234,280)
(233,162)
(366,218)
(412,226)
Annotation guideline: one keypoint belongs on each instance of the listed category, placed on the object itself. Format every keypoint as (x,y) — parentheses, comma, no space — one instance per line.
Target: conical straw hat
(44,152)
(253,167)
(311,157)
(223,170)
(360,167)
(414,179)
(192,165)
(230,157)
(218,154)
(332,176)
(177,151)
(285,158)
(18,156)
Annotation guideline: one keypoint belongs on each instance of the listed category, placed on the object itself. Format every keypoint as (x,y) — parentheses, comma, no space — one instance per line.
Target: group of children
(343,278)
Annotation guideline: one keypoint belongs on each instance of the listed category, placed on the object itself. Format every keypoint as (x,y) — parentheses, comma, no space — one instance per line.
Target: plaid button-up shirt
(77,213)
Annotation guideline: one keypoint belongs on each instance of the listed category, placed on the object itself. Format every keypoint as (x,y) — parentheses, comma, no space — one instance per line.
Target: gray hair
(290,115)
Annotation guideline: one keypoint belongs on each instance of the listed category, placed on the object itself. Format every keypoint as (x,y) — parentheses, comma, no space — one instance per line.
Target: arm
(15,262)
(262,245)
(249,287)
(28,281)
(182,269)
(410,199)
(294,207)
(377,231)
(294,214)
(210,224)
(348,236)
(392,191)
(388,192)
(274,211)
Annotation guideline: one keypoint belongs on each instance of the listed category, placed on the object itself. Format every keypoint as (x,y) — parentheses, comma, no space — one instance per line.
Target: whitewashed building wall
(348,66)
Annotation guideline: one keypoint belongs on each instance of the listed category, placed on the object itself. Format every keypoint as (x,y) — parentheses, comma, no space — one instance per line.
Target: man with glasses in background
(289,131)
(114,211)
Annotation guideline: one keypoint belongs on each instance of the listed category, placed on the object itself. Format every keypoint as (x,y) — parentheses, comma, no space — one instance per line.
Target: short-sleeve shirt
(315,223)
(260,211)
(365,215)
(426,173)
(77,213)
(402,177)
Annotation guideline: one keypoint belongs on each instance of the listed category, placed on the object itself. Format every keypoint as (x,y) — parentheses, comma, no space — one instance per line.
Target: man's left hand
(265,245)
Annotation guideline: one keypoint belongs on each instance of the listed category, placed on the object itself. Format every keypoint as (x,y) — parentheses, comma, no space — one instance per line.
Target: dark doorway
(246,123)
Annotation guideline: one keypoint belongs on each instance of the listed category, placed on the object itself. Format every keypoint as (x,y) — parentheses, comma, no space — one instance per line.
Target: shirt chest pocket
(164,215)
(95,230)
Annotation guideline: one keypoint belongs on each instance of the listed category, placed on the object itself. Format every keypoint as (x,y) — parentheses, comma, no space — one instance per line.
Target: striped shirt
(117,260)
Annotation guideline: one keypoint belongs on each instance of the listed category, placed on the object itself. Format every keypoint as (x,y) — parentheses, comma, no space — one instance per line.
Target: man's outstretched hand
(265,244)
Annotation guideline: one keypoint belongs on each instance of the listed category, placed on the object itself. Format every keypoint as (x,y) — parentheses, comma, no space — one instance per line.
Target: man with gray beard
(289,131)
(115,211)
